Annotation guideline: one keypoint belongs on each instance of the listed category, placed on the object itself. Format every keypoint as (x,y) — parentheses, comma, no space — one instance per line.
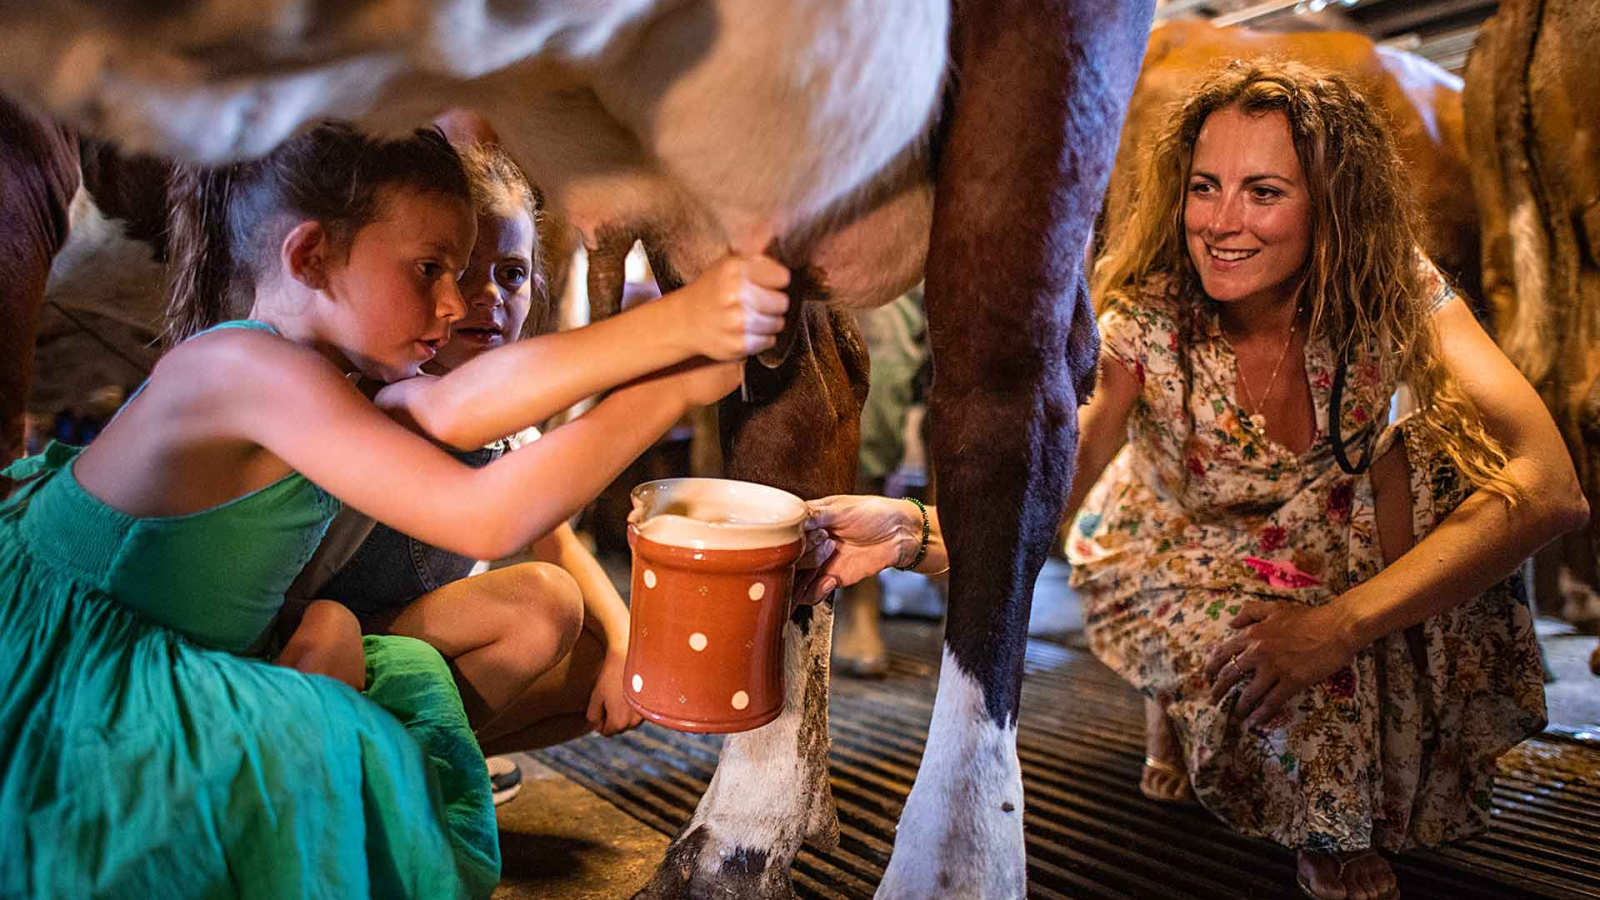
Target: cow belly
(716,125)
(805,124)
(770,112)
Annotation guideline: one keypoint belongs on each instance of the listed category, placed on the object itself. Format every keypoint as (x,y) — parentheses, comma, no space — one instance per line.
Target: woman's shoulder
(1150,307)
(1434,286)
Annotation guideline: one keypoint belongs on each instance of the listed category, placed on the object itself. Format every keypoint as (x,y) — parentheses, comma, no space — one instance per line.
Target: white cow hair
(957,838)
(112,285)
(827,95)
(101,270)
(760,798)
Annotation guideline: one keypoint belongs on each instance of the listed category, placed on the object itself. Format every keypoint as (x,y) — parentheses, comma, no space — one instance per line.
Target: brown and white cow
(1533,96)
(861,139)
(100,311)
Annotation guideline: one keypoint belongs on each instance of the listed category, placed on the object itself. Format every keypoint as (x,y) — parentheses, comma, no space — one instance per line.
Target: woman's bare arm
(1102,428)
(1484,539)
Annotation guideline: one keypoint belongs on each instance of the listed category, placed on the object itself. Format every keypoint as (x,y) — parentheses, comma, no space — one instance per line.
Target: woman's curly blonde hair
(1360,278)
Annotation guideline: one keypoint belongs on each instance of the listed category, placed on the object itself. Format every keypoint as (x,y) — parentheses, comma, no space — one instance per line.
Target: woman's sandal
(1184,797)
(1305,884)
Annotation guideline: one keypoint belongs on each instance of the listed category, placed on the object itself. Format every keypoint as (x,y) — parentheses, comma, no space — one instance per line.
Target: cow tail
(201,264)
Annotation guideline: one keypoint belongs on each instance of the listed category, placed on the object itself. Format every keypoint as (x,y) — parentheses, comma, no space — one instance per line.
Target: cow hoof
(699,867)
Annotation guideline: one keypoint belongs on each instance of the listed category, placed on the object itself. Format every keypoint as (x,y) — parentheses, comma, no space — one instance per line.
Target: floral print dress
(1396,751)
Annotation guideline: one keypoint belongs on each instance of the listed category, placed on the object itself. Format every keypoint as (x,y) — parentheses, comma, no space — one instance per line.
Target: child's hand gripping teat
(736,307)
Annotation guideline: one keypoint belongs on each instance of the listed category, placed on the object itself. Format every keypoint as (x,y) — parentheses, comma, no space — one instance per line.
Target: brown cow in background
(82,233)
(1423,100)
(1533,90)
(39,160)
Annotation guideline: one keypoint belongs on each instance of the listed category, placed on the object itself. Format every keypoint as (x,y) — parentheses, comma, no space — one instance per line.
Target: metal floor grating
(1089,832)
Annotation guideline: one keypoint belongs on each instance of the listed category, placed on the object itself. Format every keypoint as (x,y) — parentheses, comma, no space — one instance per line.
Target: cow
(860,141)
(82,228)
(1533,97)
(39,162)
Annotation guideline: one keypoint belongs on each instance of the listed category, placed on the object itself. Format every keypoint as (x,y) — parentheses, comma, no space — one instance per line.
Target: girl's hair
(227,223)
(498,183)
(1361,276)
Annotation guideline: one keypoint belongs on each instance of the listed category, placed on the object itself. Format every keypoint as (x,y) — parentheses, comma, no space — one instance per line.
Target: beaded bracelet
(927,531)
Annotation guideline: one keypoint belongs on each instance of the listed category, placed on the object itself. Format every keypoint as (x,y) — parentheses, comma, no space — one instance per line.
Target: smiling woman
(1247,215)
(1255,583)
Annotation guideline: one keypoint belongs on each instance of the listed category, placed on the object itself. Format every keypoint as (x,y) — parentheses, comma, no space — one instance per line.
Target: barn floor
(595,815)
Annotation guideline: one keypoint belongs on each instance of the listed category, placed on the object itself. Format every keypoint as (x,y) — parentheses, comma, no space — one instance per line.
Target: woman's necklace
(1257,417)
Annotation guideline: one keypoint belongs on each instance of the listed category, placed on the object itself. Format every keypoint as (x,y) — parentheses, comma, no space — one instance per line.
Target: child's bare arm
(299,408)
(733,310)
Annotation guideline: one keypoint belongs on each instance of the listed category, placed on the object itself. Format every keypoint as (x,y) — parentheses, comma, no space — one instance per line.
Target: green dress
(143,754)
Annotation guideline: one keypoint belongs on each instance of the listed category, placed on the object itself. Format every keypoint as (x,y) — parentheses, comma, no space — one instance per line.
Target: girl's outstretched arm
(296,406)
(732,310)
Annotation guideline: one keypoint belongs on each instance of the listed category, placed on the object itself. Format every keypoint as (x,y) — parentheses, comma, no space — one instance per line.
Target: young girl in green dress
(537,643)
(146,746)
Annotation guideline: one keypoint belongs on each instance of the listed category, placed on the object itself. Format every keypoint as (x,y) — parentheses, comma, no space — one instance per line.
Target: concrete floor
(1574,697)
(559,841)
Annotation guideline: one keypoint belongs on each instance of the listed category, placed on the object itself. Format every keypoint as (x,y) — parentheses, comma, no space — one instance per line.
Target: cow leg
(1041,90)
(770,792)
(38,176)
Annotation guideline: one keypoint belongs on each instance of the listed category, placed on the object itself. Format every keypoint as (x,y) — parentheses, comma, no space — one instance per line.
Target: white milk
(716,514)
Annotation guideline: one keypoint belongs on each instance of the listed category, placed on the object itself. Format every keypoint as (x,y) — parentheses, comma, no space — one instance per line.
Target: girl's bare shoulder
(231,359)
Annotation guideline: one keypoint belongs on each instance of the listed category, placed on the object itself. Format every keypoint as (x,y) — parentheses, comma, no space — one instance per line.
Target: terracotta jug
(713,571)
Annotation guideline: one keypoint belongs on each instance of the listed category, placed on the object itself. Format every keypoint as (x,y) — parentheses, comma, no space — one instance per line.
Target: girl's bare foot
(1163,779)
(1359,875)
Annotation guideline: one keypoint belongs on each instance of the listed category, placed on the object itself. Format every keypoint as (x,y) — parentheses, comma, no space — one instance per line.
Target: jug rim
(789,521)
